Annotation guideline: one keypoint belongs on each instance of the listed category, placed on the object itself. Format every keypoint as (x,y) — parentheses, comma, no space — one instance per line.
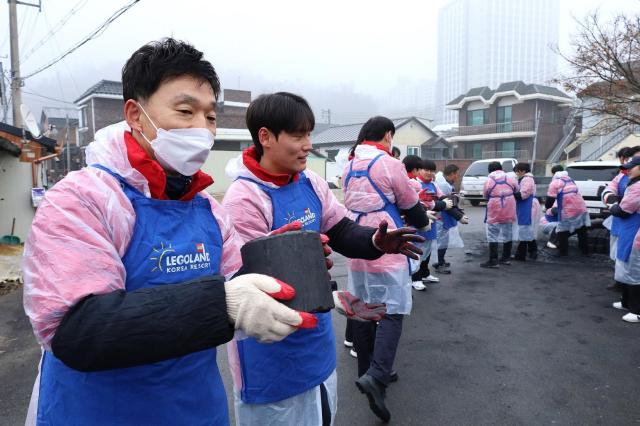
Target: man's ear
(265,137)
(132,115)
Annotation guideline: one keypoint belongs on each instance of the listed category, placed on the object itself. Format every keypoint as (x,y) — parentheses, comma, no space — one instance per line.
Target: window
(476,151)
(477,117)
(504,119)
(507,149)
(83,117)
(413,150)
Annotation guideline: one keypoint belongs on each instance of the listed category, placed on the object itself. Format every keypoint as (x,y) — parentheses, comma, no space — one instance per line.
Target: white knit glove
(252,307)
(449,203)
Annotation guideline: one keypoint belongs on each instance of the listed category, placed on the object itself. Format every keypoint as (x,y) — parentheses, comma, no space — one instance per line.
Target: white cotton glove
(432,216)
(448,202)
(252,307)
(464,220)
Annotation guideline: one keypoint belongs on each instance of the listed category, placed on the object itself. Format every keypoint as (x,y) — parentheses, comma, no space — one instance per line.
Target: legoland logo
(168,260)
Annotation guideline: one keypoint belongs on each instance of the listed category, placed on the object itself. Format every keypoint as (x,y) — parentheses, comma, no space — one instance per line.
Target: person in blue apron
(627,271)
(433,200)
(293,382)
(527,210)
(572,211)
(447,224)
(378,191)
(612,194)
(500,215)
(127,260)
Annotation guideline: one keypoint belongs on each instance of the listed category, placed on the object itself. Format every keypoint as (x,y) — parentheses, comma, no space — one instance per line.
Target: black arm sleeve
(416,216)
(612,198)
(353,240)
(518,196)
(124,329)
(617,211)
(456,213)
(548,202)
(440,206)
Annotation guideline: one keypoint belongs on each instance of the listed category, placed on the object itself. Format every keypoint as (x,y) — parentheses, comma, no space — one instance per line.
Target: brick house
(518,120)
(101,105)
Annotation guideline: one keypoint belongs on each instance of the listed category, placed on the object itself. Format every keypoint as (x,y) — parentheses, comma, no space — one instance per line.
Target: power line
(96,33)
(57,27)
(47,97)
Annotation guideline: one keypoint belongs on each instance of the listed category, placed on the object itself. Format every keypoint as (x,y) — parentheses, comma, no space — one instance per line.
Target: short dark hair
(374,130)
(412,162)
(163,60)
(633,150)
(623,153)
(429,165)
(557,168)
(279,112)
(450,169)
(494,165)
(522,167)
(395,151)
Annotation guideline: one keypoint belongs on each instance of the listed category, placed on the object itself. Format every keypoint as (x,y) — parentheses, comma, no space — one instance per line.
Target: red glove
(353,308)
(327,250)
(425,197)
(293,226)
(397,241)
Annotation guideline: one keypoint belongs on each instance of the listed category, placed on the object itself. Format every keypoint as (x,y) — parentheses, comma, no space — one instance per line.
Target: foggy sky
(349,56)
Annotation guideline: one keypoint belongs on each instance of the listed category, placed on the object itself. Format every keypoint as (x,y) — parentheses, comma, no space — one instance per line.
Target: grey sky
(343,55)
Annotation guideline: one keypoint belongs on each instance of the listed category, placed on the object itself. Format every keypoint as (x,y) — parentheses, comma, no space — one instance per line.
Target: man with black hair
(433,200)
(447,224)
(126,263)
(572,215)
(500,216)
(271,188)
(527,211)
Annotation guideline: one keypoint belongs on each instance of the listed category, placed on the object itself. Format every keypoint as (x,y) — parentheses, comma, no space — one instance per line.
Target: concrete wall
(218,160)
(411,134)
(15,196)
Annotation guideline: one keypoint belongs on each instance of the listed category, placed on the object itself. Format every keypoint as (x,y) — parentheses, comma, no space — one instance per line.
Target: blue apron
(616,222)
(628,228)
(391,209)
(502,197)
(172,242)
(561,195)
(306,358)
(523,210)
(431,189)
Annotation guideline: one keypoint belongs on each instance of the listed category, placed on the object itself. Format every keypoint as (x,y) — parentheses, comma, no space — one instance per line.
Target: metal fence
(519,154)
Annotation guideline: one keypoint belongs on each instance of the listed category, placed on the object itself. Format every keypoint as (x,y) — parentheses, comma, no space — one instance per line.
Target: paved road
(533,343)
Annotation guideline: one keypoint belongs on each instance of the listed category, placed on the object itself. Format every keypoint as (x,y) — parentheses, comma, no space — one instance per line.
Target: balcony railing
(518,154)
(486,129)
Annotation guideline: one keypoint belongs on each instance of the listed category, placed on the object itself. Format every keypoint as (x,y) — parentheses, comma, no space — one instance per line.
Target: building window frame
(413,150)
(504,117)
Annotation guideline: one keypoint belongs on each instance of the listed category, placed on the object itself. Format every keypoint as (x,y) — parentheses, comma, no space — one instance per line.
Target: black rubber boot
(533,249)
(583,240)
(506,253)
(563,243)
(521,251)
(375,392)
(493,257)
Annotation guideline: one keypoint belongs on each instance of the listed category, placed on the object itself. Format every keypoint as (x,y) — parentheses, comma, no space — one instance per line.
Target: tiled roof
(103,87)
(521,88)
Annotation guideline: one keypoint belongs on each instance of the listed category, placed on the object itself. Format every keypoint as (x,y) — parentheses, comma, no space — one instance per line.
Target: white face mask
(181,150)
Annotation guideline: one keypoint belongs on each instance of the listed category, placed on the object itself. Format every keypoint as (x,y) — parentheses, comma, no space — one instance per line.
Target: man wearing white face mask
(126,264)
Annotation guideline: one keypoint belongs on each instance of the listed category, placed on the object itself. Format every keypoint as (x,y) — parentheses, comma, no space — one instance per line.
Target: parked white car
(476,175)
(591,177)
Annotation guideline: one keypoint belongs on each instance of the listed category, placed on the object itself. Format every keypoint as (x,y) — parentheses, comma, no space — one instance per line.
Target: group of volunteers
(133,274)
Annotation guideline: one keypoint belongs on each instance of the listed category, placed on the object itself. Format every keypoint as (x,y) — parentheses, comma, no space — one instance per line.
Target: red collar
(377,145)
(155,175)
(373,144)
(252,162)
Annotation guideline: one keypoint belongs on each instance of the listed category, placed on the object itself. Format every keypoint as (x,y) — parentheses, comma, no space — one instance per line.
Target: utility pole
(327,113)
(66,140)
(16,81)
(535,139)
